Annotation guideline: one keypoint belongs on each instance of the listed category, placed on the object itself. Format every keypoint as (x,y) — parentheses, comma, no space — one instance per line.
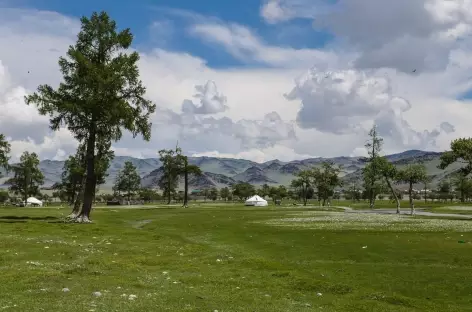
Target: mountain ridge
(221,172)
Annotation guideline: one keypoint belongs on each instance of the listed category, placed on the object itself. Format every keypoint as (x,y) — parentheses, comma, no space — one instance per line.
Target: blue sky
(172,34)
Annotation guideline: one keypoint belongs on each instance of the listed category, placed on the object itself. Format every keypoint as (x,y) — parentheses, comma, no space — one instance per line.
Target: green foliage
(463,185)
(412,174)
(4,151)
(148,195)
(72,177)
(27,176)
(225,193)
(461,150)
(128,180)
(372,173)
(243,190)
(326,179)
(302,184)
(213,193)
(4,196)
(172,169)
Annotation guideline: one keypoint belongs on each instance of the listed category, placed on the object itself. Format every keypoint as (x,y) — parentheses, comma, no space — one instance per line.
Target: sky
(258,79)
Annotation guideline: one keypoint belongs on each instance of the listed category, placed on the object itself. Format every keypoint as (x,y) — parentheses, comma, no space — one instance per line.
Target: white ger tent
(256,200)
(33,201)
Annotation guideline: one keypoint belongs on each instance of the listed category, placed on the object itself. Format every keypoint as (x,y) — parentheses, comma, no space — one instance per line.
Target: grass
(232,258)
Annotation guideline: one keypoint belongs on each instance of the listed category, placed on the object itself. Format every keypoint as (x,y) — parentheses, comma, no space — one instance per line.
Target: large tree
(128,180)
(27,176)
(412,174)
(101,94)
(4,152)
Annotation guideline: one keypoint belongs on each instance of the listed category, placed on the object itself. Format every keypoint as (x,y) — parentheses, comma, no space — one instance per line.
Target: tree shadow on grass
(23,219)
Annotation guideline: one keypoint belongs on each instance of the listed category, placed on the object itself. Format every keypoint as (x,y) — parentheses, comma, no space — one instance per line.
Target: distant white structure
(256,200)
(33,201)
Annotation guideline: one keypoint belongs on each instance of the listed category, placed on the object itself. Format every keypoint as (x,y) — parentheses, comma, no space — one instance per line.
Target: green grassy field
(232,258)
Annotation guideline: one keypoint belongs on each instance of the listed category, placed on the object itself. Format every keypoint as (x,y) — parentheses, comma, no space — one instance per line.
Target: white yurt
(256,200)
(33,201)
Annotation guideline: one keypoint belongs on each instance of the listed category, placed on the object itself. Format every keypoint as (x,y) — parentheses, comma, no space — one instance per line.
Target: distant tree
(243,190)
(4,153)
(225,193)
(426,183)
(462,184)
(265,190)
(148,195)
(27,176)
(282,192)
(412,174)
(128,180)
(389,173)
(170,179)
(326,179)
(213,193)
(303,183)
(373,174)
(444,190)
(185,169)
(100,96)
(3,196)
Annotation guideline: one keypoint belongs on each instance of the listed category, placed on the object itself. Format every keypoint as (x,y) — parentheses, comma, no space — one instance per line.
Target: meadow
(215,257)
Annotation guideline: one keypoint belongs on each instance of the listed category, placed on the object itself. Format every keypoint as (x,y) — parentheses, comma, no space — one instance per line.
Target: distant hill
(221,172)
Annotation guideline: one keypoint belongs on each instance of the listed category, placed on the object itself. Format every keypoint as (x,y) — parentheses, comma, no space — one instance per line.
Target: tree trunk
(185,186)
(90,181)
(410,193)
(78,200)
(394,194)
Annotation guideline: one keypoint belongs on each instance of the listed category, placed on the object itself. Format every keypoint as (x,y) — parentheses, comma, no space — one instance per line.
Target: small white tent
(33,201)
(256,200)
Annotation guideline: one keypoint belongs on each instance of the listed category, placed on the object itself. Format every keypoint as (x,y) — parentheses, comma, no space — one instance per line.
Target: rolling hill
(221,172)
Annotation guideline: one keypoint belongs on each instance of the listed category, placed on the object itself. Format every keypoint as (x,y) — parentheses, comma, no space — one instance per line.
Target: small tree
(412,174)
(128,180)
(27,176)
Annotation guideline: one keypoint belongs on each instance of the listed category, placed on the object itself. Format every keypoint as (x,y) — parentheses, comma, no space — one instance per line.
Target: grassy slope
(262,268)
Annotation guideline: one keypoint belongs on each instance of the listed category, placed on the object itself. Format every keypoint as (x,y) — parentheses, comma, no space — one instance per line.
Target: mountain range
(221,172)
